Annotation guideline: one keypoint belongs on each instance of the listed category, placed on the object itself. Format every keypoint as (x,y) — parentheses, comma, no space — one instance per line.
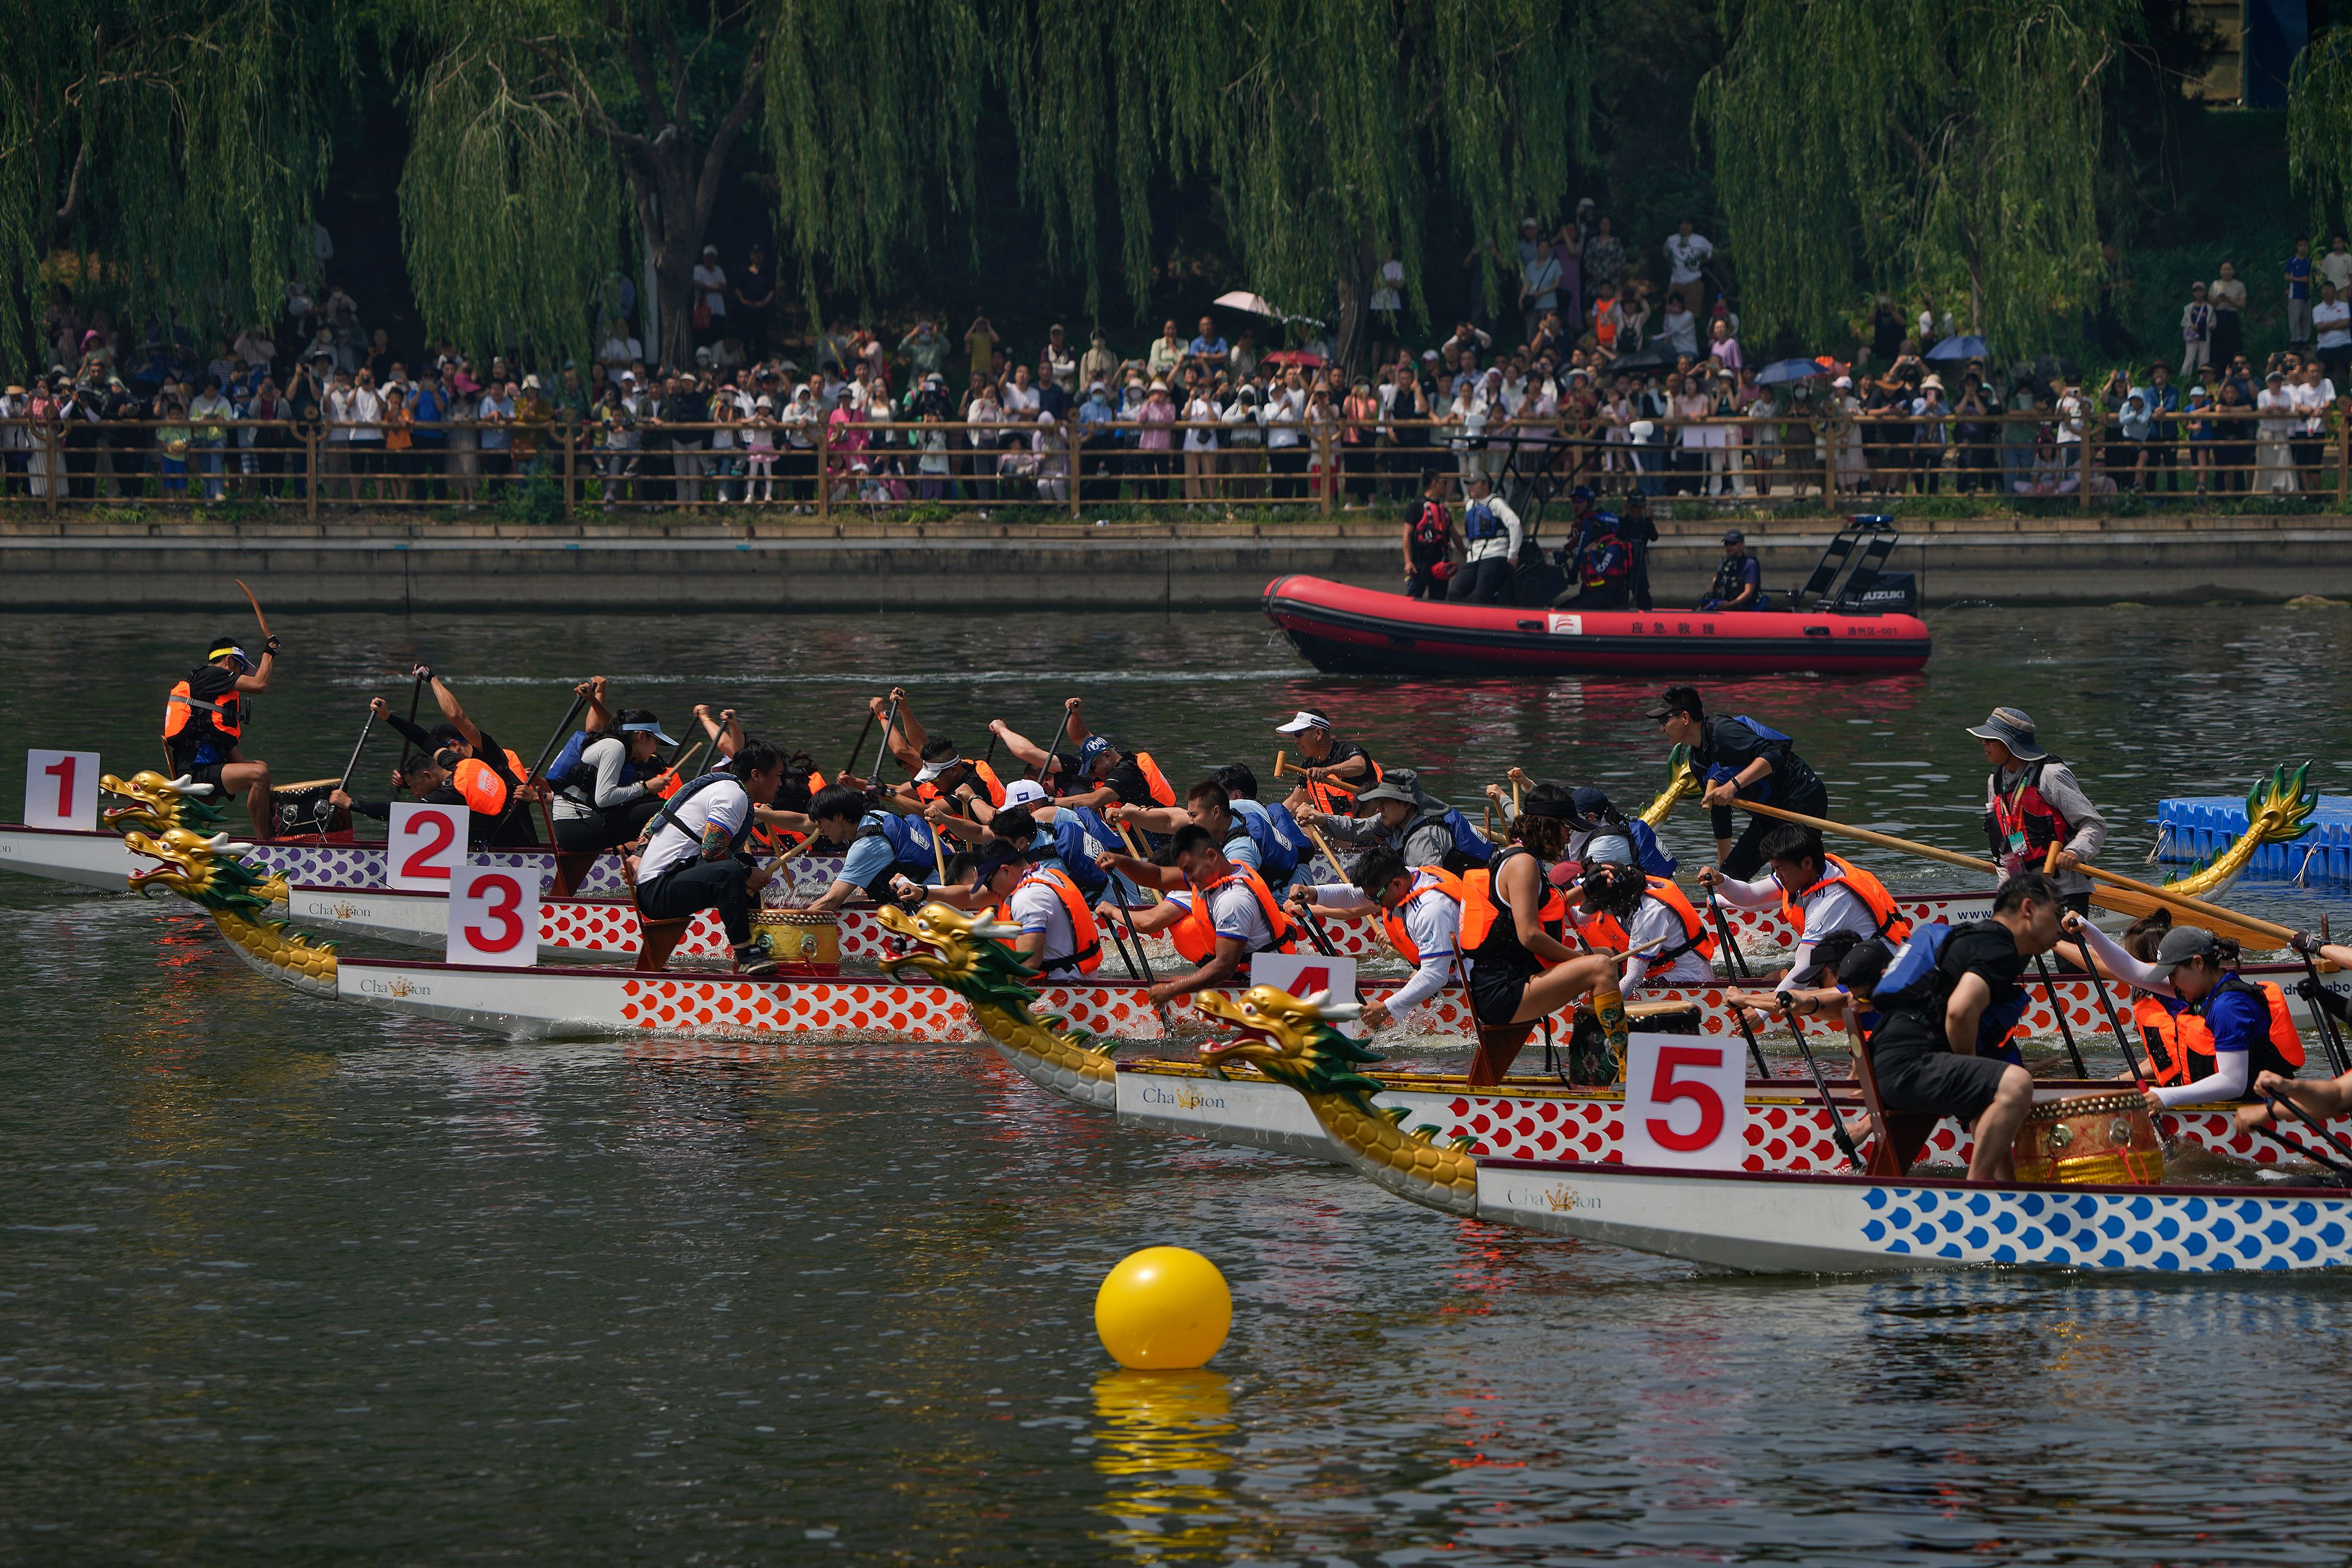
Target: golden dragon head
(159,805)
(1290,1038)
(2278,811)
(1683,783)
(205,871)
(967,953)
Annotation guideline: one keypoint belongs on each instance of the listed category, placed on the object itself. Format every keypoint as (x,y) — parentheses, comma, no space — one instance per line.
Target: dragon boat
(1771,1221)
(1788,1124)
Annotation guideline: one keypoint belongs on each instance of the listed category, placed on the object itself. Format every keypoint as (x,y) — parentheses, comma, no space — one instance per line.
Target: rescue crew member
(1741,760)
(890,857)
(1429,540)
(1818,892)
(2031,801)
(1739,581)
(1645,917)
(204,719)
(1947,997)
(1250,841)
(1411,825)
(1494,534)
(485,775)
(695,861)
(1422,907)
(607,797)
(1234,915)
(2228,1031)
(1519,972)
(1329,761)
(1598,566)
(1058,935)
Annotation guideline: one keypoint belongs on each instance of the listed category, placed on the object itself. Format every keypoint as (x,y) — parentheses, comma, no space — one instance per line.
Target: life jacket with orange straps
(1472,892)
(981,769)
(183,712)
(1863,886)
(1337,800)
(1195,936)
(2180,1043)
(1153,779)
(1082,929)
(1606,930)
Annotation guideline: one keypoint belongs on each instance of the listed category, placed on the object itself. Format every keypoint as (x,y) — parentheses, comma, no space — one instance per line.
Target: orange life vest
(1863,886)
(1479,910)
(1153,779)
(929,791)
(1082,929)
(1335,800)
(1195,936)
(180,709)
(1428,881)
(2180,1044)
(485,793)
(1605,931)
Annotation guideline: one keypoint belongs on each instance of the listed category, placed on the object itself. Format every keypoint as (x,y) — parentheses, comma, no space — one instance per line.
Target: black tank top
(1502,949)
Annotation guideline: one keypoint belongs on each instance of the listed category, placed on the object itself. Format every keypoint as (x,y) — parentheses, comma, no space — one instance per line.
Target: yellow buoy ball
(1163,1308)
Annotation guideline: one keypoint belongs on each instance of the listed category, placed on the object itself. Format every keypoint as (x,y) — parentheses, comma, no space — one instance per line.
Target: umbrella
(1779,370)
(1970,347)
(1306,359)
(1240,301)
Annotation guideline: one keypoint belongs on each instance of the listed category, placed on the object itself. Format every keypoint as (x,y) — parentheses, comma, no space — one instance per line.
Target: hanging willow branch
(2319,128)
(1952,145)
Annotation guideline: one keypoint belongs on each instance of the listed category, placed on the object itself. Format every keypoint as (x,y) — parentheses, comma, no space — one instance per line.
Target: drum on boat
(802,941)
(1590,1059)
(2108,1139)
(304,811)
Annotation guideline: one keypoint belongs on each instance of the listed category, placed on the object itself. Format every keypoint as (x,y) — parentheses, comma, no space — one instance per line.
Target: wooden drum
(1590,1059)
(802,942)
(2108,1139)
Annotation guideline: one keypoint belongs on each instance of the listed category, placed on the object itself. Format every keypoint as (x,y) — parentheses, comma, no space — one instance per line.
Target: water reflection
(1161,1441)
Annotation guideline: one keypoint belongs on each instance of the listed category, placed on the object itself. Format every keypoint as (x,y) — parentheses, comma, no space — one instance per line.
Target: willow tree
(2319,128)
(164,155)
(1898,143)
(1324,132)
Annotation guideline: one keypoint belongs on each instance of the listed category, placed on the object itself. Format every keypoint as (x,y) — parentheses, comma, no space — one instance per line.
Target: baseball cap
(1092,748)
(1676,700)
(1733,536)
(1024,792)
(1305,722)
(2181,944)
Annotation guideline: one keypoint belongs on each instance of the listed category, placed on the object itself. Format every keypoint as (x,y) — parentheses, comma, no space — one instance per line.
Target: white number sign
(1304,973)
(61,790)
(1685,1103)
(494,916)
(426,845)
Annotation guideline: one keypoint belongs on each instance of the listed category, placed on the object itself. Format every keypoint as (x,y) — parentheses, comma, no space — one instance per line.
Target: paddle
(882,750)
(1281,767)
(1054,745)
(2127,897)
(2050,987)
(2336,1053)
(415,693)
(1167,1019)
(2114,1021)
(858,744)
(514,799)
(1121,942)
(2342,1172)
(266,638)
(367,729)
(1723,929)
(1820,1083)
(1740,1014)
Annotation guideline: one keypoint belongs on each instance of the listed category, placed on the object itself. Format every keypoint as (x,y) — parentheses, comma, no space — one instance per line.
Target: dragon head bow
(1291,1039)
(158,805)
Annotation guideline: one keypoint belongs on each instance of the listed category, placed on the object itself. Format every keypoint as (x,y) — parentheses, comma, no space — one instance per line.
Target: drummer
(2194,976)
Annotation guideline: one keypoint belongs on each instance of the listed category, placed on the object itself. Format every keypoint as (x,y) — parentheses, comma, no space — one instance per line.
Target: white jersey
(1038,909)
(679,842)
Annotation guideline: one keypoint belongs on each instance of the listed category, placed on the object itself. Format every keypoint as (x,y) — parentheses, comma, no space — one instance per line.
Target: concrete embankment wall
(380,563)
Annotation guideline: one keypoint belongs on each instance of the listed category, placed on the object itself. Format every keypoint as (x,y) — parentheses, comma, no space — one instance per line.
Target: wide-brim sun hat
(2013,727)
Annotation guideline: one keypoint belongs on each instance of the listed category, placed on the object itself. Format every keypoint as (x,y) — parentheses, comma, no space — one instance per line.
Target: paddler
(1249,840)
(2324,1097)
(2228,1031)
(485,775)
(1058,934)
(1104,774)
(608,787)
(891,856)
(2032,801)
(1422,908)
(1594,814)
(1623,910)
(1070,836)
(1818,892)
(1947,1000)
(1741,760)
(1234,914)
(1329,761)
(204,720)
(938,770)
(1407,822)
(694,859)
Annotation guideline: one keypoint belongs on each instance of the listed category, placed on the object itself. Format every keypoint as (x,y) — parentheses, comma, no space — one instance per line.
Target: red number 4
(1665,1089)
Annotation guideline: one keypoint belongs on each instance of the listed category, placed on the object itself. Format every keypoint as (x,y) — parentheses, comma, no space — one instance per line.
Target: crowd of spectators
(1589,368)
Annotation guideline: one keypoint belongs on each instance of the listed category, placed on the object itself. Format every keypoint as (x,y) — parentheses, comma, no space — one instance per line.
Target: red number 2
(420,861)
(504,897)
(62,770)
(1665,1089)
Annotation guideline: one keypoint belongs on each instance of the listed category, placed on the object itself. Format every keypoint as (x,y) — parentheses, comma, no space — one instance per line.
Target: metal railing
(874,468)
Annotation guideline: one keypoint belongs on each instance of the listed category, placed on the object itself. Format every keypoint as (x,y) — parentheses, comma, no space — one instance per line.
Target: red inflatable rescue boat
(1360,631)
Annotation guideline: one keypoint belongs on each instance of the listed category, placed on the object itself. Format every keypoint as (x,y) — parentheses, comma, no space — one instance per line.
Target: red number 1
(63,769)
(1665,1089)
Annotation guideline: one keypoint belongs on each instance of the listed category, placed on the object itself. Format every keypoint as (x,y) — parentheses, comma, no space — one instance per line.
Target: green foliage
(1951,141)
(537,501)
(2319,129)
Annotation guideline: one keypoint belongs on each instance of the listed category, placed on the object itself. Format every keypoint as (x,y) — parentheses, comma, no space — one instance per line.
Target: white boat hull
(86,859)
(1780,1223)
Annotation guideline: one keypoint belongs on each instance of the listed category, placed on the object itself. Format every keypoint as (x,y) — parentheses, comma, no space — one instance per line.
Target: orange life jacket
(1082,929)
(1863,886)
(485,793)
(1479,910)
(180,709)
(2180,1044)
(1195,936)
(1333,800)
(1152,777)
(929,791)
(1429,882)
(1605,931)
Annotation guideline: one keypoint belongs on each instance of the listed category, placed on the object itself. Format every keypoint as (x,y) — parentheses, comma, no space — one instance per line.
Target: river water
(282,1280)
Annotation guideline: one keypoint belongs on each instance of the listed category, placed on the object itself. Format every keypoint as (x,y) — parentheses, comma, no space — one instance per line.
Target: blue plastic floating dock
(2199,826)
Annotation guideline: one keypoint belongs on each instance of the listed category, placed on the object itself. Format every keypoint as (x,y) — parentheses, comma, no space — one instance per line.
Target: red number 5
(1665,1089)
(503,896)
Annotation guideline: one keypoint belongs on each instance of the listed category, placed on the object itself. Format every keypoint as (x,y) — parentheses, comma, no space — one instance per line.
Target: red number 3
(1665,1089)
(503,897)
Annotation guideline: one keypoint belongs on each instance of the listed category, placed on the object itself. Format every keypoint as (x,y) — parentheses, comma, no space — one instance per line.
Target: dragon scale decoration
(966,953)
(209,874)
(2278,811)
(1291,1040)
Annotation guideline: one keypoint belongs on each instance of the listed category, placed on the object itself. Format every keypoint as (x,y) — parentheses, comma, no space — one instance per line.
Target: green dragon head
(1292,1040)
(159,805)
(966,953)
(206,872)
(2278,811)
